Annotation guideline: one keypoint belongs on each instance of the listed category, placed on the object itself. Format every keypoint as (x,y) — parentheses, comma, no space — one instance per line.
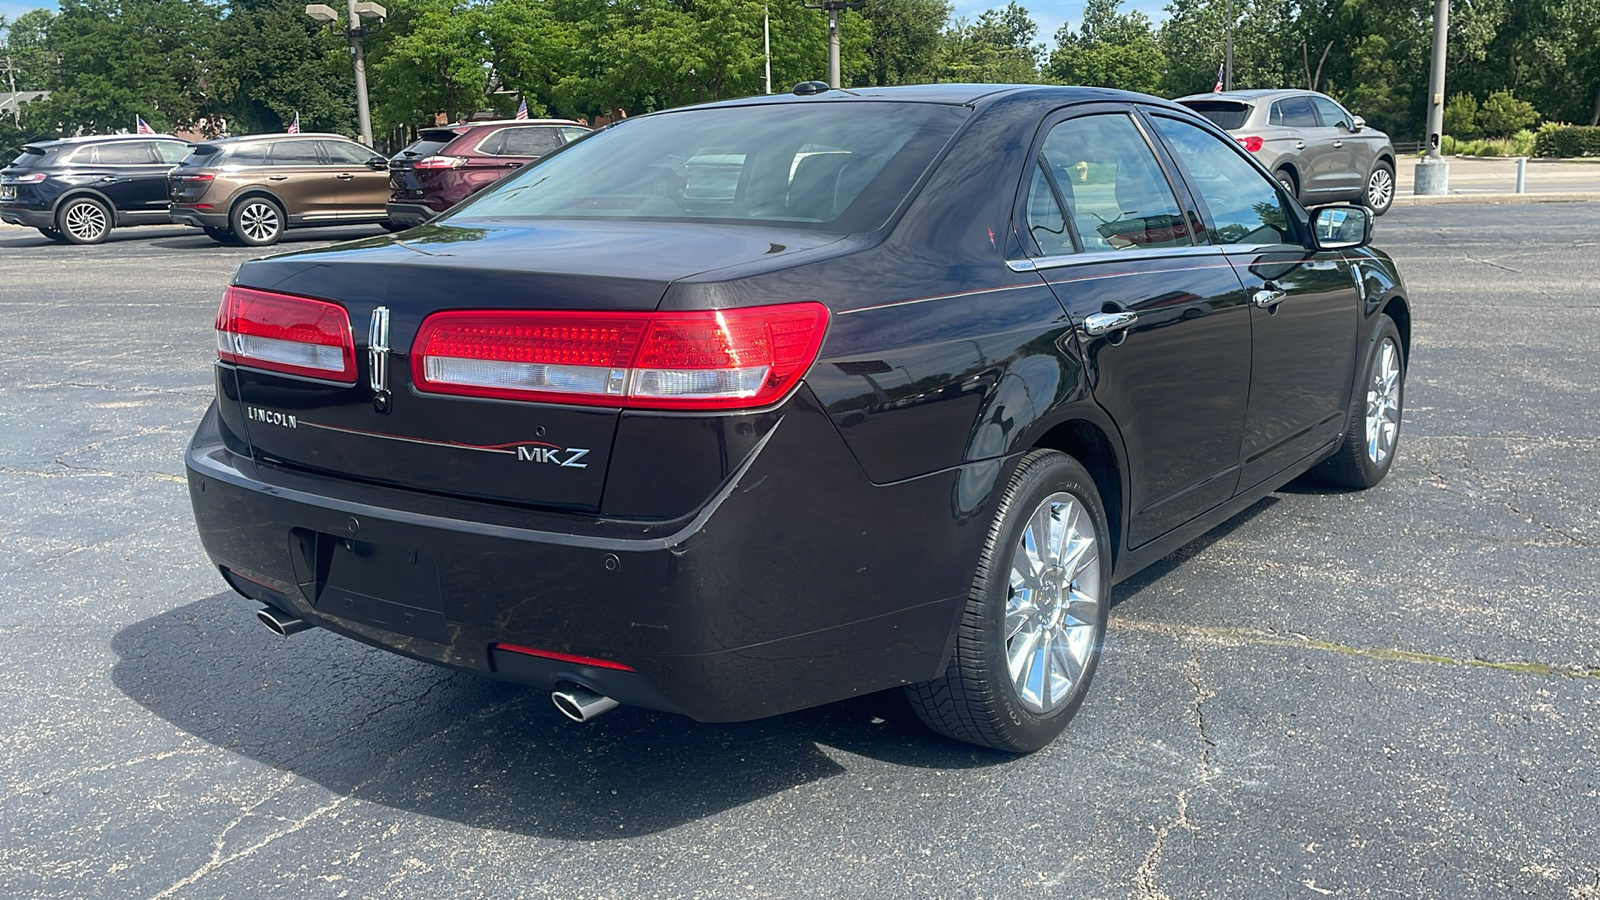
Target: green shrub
(1448,145)
(1461,117)
(1567,140)
(1521,143)
(1503,114)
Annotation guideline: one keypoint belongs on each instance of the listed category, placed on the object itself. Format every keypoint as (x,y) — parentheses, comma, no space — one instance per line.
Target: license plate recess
(395,588)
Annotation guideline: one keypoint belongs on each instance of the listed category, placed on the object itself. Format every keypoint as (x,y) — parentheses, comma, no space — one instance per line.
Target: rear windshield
(199,155)
(1225,114)
(428,143)
(835,166)
(31,157)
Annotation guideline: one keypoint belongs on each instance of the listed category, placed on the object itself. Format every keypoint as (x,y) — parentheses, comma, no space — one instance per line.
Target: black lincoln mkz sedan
(749,407)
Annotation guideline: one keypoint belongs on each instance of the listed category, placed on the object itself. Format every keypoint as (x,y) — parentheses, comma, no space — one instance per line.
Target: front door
(363,190)
(1112,240)
(1303,310)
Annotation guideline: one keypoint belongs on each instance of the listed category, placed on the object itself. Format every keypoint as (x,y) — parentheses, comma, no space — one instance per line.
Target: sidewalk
(1475,180)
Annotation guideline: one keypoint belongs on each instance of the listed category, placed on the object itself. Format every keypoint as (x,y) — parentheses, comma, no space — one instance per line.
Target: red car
(450,163)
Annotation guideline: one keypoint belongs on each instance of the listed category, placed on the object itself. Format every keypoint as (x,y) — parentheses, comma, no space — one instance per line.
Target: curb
(1551,197)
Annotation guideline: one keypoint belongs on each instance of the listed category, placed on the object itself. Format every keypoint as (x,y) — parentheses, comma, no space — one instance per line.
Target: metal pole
(1441,31)
(1522,174)
(766,43)
(833,46)
(1227,53)
(354,33)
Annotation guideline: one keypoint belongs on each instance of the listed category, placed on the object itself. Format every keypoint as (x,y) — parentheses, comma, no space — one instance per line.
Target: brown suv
(250,189)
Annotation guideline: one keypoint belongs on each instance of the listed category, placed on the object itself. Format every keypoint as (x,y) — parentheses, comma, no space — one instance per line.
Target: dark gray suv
(1314,146)
(76,190)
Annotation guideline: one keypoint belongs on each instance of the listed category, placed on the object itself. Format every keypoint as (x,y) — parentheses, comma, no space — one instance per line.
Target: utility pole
(766,43)
(833,8)
(1433,173)
(358,11)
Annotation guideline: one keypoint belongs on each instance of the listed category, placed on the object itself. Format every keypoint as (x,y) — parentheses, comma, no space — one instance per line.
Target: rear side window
(1225,114)
(533,141)
(122,153)
(1245,205)
(841,166)
(347,154)
(1294,112)
(570,133)
(248,155)
(1117,196)
(296,153)
(171,152)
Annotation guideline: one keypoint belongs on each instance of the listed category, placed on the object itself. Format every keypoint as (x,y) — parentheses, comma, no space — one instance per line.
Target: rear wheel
(1286,178)
(220,235)
(257,221)
(84,220)
(1030,637)
(1373,436)
(1379,195)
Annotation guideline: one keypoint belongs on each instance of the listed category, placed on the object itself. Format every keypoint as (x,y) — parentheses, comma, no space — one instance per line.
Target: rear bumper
(33,218)
(799,583)
(197,218)
(409,214)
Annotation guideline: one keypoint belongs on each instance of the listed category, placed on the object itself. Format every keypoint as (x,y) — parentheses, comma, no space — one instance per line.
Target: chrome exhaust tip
(282,623)
(581,704)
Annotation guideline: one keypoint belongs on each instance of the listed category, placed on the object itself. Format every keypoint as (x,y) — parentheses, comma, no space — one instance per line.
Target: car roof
(92,138)
(1252,96)
(275,136)
(504,122)
(951,94)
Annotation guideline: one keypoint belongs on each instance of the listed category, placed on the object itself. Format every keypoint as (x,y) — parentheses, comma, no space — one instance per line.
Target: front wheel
(1030,637)
(1373,436)
(53,235)
(1379,195)
(257,222)
(84,221)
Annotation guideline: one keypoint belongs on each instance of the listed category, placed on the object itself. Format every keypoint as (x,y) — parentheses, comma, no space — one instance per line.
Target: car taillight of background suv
(448,164)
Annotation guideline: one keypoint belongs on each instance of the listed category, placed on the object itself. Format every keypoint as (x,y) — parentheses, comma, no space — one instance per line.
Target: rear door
(1113,239)
(1321,162)
(365,189)
(1303,314)
(130,174)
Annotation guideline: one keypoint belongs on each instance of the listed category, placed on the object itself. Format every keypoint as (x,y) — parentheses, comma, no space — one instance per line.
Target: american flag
(1218,88)
(522,111)
(294,127)
(141,126)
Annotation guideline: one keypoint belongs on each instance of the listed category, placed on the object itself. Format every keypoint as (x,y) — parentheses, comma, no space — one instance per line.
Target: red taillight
(30,178)
(715,359)
(565,657)
(282,333)
(197,177)
(1251,143)
(439,162)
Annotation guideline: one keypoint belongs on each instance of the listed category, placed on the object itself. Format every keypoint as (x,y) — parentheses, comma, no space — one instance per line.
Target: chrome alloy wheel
(1053,605)
(86,222)
(259,221)
(1383,402)
(1380,189)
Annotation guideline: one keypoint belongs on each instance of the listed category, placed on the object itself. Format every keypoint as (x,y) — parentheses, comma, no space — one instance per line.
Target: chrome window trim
(1041,263)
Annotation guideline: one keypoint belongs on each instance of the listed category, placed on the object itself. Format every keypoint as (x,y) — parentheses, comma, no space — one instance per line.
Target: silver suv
(1314,146)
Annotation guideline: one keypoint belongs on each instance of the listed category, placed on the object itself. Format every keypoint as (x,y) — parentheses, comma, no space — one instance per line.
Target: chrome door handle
(1338,144)
(277,178)
(344,176)
(1100,323)
(1267,299)
(1299,145)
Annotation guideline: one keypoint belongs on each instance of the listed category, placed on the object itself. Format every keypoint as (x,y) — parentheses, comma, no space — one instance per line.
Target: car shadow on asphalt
(385,729)
(1127,590)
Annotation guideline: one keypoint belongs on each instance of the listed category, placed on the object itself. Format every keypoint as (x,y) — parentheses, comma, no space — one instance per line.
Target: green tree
(23,44)
(272,62)
(997,49)
(1502,114)
(124,58)
(432,56)
(1461,116)
(905,40)
(1110,49)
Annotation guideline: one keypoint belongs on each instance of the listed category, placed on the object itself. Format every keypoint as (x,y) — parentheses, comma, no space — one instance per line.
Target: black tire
(1355,464)
(393,227)
(1285,176)
(1378,194)
(977,699)
(84,220)
(220,235)
(53,235)
(256,221)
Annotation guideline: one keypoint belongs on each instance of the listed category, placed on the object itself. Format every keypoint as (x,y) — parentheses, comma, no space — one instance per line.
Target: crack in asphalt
(1242,636)
(1144,879)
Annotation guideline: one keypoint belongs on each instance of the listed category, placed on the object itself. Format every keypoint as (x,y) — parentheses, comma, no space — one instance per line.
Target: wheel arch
(1398,310)
(79,193)
(1287,165)
(1090,444)
(253,192)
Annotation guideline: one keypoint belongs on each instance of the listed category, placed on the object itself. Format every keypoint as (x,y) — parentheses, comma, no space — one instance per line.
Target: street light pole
(359,53)
(1227,51)
(833,8)
(766,43)
(1433,173)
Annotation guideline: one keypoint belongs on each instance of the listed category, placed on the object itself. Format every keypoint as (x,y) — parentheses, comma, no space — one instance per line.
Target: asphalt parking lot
(1391,693)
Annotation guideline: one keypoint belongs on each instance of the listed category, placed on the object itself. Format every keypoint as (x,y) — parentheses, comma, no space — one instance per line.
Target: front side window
(1333,115)
(344,154)
(1116,194)
(837,166)
(1245,204)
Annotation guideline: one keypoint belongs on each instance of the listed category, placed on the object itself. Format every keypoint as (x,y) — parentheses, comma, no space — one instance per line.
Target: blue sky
(1048,13)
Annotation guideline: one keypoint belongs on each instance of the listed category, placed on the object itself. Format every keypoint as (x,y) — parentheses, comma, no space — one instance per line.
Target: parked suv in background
(448,164)
(1314,146)
(251,189)
(78,189)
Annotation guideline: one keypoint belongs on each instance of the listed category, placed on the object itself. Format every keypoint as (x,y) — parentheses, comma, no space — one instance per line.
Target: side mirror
(1359,122)
(1342,227)
(377,164)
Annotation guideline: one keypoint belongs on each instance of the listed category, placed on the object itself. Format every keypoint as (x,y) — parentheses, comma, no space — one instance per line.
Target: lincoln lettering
(553,455)
(271,417)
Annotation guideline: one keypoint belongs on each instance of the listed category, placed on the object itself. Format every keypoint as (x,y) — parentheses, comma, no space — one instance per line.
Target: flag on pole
(522,111)
(1218,88)
(294,127)
(141,126)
